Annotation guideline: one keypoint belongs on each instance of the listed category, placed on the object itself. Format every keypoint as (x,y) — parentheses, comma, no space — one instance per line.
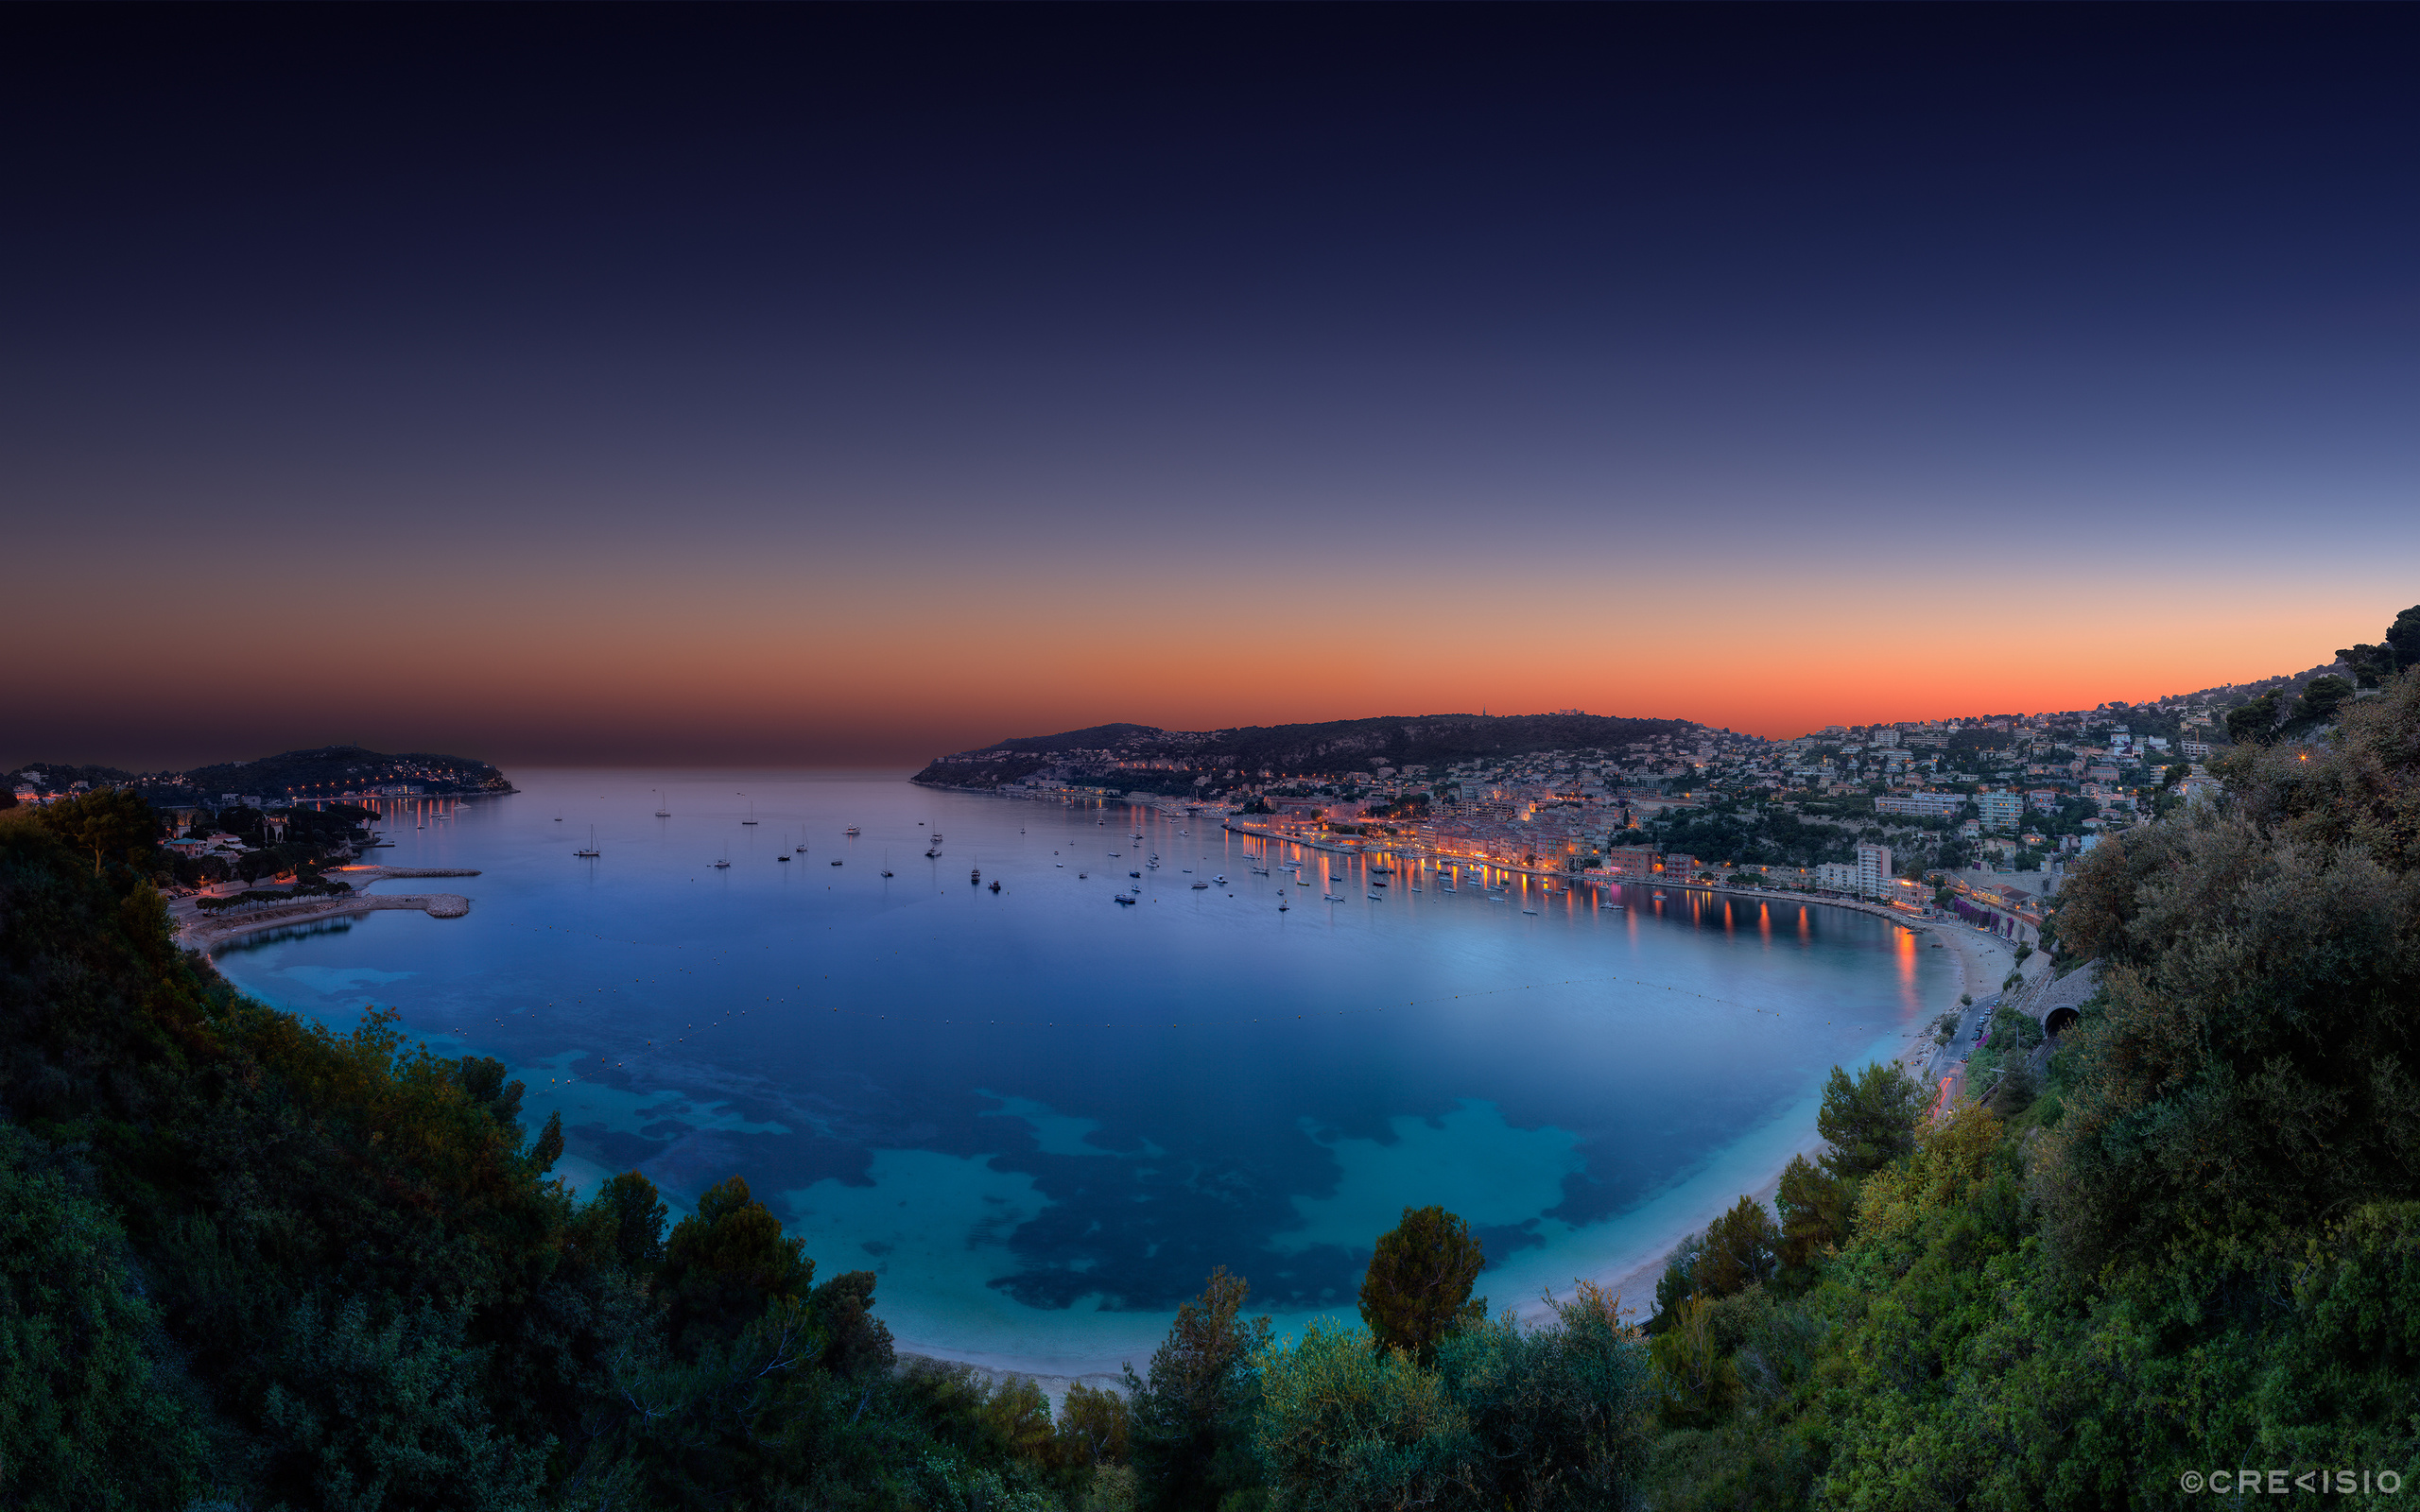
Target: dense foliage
(2196,1247)
(246,1263)
(250,1263)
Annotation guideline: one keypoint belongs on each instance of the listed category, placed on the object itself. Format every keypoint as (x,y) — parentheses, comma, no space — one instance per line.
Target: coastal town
(1978,817)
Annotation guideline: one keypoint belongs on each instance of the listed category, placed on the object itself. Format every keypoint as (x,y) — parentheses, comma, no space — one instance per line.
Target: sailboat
(751,813)
(661,812)
(591,853)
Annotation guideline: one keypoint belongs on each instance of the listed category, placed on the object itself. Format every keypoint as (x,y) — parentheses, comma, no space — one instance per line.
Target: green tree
(1814,1216)
(2403,638)
(1740,1250)
(2253,723)
(2320,699)
(856,1342)
(1869,1120)
(1696,1384)
(1678,1280)
(1094,1428)
(725,1264)
(1418,1287)
(1190,1420)
(91,1414)
(1544,1419)
(2372,664)
(624,1222)
(111,823)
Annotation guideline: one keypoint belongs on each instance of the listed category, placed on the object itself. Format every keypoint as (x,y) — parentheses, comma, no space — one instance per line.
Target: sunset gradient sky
(814,385)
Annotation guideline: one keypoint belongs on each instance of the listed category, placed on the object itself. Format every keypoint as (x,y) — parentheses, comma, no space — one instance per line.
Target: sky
(851,384)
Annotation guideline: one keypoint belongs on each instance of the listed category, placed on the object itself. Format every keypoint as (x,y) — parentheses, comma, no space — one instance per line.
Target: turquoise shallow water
(1042,1117)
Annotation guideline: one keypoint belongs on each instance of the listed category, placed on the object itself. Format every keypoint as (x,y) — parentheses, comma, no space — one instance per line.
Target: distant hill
(1331,745)
(324,771)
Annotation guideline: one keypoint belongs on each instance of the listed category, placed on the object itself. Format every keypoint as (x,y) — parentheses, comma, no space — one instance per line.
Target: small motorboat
(835,862)
(996,884)
(1123,899)
(1221,881)
(784,859)
(1332,898)
(930,854)
(1529,910)
(975,875)
(1201,887)
(722,865)
(1378,897)
(851,829)
(886,873)
(1137,874)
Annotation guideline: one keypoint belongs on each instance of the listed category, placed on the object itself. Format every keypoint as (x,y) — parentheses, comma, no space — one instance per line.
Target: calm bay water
(1042,1117)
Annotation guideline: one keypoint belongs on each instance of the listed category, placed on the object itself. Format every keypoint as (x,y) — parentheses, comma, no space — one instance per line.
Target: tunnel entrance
(2060,1021)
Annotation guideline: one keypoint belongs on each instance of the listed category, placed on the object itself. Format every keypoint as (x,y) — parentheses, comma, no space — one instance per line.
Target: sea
(940,1050)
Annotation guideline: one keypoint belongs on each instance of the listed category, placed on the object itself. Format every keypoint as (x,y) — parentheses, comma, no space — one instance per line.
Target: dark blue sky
(649,358)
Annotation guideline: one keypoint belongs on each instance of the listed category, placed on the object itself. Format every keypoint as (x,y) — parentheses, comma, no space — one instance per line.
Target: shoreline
(1980,960)
(1636,1275)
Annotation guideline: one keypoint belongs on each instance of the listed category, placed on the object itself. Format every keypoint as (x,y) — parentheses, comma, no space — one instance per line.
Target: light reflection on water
(1044,1118)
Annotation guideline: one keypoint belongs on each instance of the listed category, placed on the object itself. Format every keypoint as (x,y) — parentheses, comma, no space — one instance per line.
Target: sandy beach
(1981,962)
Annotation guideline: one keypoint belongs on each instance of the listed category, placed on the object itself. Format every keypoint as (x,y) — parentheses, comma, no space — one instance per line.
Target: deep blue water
(1043,1117)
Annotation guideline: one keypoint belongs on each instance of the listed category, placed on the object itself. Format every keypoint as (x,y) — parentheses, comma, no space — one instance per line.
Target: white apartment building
(1874,869)
(1999,810)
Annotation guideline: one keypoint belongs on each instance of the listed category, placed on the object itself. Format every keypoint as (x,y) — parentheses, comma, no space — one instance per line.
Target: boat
(1221,879)
(851,829)
(1378,897)
(661,812)
(1201,887)
(1376,883)
(1260,871)
(721,866)
(931,853)
(1529,910)
(935,837)
(751,813)
(591,853)
(1332,898)
(1415,887)
(1123,899)
(886,873)
(835,862)
(801,850)
(1280,905)
(996,884)
(1135,874)
(783,859)
(1382,871)
(975,875)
